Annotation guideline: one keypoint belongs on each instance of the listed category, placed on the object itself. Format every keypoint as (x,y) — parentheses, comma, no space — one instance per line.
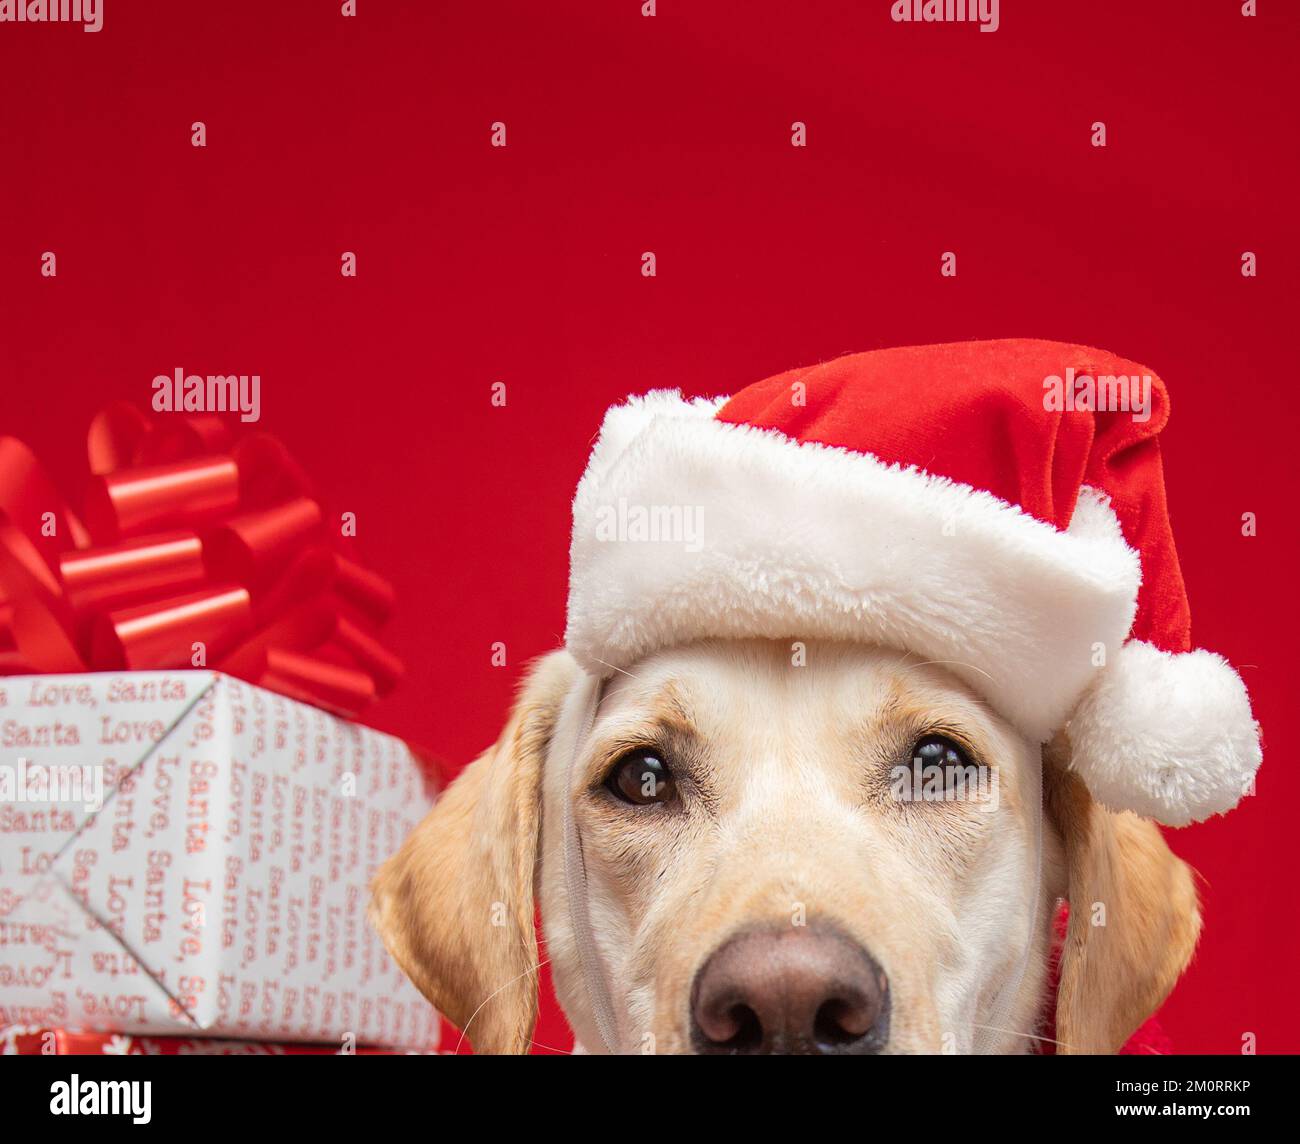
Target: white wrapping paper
(221,886)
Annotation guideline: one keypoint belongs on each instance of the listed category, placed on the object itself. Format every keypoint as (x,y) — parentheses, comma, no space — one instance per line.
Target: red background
(521,265)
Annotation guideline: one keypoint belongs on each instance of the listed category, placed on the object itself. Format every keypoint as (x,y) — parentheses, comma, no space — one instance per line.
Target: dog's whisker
(1027,1036)
(464,1029)
(551,1049)
(618,669)
(604,691)
(954,663)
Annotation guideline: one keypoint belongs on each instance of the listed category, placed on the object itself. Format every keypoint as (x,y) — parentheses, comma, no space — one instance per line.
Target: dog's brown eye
(940,770)
(641,778)
(938,751)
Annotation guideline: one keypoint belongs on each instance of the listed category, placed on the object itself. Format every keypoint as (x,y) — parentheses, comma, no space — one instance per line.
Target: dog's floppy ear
(455,904)
(1134,917)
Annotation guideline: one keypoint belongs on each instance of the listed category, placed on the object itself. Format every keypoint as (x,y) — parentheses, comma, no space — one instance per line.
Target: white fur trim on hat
(1169,736)
(687,527)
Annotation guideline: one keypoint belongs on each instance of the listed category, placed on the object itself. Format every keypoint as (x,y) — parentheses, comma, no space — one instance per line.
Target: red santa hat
(966,502)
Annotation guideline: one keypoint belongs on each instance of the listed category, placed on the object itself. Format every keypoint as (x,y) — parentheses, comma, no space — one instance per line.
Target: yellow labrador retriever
(820,848)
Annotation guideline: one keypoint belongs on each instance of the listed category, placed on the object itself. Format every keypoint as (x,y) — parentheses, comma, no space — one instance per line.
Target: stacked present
(15,1040)
(188,819)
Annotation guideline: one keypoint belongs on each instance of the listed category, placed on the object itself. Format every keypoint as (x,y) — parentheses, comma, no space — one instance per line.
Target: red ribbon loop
(195,552)
(136,501)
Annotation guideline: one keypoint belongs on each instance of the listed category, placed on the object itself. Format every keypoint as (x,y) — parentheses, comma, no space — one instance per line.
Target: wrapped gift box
(182,852)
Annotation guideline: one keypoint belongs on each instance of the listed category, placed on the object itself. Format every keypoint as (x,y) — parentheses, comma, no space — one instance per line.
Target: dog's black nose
(791,989)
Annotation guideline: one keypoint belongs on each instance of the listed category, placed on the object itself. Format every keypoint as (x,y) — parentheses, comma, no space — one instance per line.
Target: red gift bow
(186,538)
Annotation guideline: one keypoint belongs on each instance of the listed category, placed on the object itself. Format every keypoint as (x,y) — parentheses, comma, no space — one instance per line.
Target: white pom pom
(1167,736)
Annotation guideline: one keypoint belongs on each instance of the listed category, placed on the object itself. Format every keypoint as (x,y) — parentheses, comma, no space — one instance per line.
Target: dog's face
(765,873)
(786,848)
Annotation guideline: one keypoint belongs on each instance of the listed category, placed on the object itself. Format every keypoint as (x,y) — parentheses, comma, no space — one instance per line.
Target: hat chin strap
(580,718)
(571,736)
(1009,990)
